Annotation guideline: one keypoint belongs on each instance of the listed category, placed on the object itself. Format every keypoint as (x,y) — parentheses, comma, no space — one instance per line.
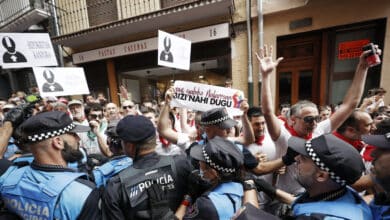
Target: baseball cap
(217,116)
(331,154)
(220,154)
(135,129)
(49,124)
(75,102)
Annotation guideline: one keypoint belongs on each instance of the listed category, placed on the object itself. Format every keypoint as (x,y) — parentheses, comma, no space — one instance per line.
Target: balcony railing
(78,15)
(18,15)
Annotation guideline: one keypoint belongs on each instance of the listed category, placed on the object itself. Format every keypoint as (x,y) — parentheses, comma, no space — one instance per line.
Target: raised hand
(266,64)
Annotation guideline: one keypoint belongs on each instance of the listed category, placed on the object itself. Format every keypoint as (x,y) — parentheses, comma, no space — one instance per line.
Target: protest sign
(61,81)
(20,50)
(202,97)
(173,51)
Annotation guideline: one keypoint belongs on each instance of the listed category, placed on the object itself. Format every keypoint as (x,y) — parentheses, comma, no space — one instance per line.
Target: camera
(372,58)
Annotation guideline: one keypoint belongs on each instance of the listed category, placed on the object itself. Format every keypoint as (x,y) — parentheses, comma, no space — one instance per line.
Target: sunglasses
(96,115)
(310,119)
(128,106)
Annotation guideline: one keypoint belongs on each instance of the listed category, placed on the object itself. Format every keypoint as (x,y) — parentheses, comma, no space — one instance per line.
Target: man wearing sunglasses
(304,114)
(129,108)
(96,140)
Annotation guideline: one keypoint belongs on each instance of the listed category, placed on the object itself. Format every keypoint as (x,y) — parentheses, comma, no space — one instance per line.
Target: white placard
(202,97)
(61,81)
(20,50)
(173,51)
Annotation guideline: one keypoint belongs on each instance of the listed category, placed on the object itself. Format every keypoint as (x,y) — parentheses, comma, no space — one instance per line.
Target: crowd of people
(71,159)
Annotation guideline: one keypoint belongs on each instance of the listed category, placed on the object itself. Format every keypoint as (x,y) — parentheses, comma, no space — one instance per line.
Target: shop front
(134,64)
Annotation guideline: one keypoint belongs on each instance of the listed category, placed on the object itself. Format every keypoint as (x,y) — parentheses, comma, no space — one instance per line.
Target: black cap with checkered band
(49,124)
(333,155)
(220,154)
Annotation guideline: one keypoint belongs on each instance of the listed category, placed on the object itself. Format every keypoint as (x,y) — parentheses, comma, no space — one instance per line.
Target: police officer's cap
(220,154)
(49,124)
(219,117)
(135,129)
(329,153)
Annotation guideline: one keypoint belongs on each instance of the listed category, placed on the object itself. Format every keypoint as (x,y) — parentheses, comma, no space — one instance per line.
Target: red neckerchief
(295,133)
(192,123)
(357,144)
(259,140)
(367,153)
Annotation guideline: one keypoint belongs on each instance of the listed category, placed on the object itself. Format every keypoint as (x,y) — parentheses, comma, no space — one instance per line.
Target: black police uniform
(116,202)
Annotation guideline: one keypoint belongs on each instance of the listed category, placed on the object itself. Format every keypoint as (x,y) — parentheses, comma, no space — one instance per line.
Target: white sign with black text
(173,51)
(20,50)
(61,81)
(202,97)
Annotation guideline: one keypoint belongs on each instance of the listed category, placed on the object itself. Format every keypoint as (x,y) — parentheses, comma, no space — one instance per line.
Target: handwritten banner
(202,97)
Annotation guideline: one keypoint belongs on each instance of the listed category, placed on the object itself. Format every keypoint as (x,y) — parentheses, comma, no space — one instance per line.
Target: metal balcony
(18,15)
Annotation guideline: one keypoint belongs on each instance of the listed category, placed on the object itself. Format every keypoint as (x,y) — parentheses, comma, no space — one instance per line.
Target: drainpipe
(250,72)
(57,31)
(261,33)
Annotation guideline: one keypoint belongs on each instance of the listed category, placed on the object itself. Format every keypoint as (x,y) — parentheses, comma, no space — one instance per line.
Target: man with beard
(48,189)
(325,166)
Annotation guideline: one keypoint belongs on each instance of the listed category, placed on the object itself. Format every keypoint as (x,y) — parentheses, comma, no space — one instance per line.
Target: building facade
(116,43)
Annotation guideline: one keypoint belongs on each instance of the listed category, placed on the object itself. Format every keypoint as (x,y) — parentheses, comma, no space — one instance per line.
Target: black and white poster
(61,81)
(173,51)
(20,50)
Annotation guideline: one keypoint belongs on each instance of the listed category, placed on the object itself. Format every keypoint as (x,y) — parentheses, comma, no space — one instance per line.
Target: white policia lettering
(29,210)
(162,180)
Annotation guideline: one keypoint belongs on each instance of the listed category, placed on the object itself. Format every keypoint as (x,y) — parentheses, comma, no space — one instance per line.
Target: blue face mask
(204,136)
(201,173)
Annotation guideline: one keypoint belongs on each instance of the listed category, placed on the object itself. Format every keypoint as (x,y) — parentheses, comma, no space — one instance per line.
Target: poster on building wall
(20,50)
(202,97)
(351,49)
(61,81)
(173,51)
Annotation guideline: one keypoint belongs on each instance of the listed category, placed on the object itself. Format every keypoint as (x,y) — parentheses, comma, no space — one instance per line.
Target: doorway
(297,76)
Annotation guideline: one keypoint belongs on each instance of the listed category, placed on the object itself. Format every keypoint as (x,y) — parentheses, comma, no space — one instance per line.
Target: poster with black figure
(166,54)
(11,55)
(50,85)
(61,81)
(21,50)
(173,51)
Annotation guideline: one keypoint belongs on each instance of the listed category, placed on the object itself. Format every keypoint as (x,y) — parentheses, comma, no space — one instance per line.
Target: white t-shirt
(287,181)
(183,142)
(268,148)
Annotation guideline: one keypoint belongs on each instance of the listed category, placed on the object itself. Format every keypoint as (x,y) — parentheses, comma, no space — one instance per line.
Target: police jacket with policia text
(125,195)
(49,192)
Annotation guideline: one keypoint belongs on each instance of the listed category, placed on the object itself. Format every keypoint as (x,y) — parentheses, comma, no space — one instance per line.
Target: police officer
(47,189)
(125,196)
(380,206)
(117,162)
(220,163)
(326,165)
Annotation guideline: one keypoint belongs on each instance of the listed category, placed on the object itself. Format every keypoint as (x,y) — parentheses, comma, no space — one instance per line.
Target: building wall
(326,14)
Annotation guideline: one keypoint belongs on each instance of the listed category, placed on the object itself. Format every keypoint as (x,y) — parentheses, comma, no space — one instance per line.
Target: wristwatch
(249,185)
